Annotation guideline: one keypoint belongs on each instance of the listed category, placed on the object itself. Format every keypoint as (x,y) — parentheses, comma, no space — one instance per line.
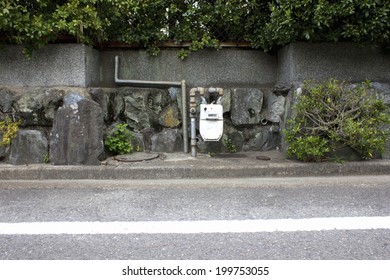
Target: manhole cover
(135,157)
(263,158)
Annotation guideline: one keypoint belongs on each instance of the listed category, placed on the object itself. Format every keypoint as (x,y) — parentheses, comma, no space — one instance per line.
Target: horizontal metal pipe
(141,82)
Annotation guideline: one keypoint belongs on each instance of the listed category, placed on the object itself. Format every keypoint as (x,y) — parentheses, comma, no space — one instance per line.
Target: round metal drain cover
(135,157)
(263,158)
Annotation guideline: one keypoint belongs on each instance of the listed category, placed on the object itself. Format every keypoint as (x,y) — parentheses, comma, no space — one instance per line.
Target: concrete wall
(53,65)
(82,66)
(222,68)
(344,61)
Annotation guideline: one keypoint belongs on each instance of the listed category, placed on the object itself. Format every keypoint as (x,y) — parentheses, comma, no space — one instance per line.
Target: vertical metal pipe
(193,136)
(184,115)
(193,120)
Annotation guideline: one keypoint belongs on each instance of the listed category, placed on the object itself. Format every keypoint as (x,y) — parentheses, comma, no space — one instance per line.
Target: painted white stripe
(193,227)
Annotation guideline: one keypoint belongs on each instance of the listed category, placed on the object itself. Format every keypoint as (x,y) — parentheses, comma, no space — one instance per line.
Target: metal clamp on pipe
(217,90)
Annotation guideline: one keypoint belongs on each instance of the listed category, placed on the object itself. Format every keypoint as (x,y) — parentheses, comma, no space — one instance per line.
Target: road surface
(255,218)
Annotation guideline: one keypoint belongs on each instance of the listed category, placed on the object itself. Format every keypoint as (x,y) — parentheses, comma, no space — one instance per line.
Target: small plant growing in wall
(332,113)
(9,130)
(119,141)
(229,145)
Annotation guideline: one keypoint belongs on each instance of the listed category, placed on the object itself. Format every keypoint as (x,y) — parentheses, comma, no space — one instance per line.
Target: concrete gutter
(179,166)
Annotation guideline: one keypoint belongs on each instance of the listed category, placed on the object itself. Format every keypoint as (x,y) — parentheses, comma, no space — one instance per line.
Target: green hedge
(333,113)
(202,23)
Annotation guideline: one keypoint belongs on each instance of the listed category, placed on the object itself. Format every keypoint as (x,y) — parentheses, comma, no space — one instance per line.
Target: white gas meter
(211,122)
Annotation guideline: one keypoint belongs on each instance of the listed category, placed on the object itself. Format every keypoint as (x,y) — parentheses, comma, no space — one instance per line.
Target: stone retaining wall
(71,122)
(67,98)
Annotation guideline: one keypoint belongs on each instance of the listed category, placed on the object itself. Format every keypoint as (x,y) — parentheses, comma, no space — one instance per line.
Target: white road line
(194,227)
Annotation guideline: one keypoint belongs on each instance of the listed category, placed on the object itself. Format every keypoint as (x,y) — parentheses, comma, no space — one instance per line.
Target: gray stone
(226,100)
(30,108)
(174,93)
(383,91)
(52,100)
(267,139)
(170,116)
(37,106)
(138,142)
(176,97)
(246,106)
(147,134)
(168,141)
(7,99)
(142,106)
(72,98)
(105,98)
(118,106)
(211,147)
(282,88)
(136,113)
(29,146)
(77,134)
(4,149)
(277,109)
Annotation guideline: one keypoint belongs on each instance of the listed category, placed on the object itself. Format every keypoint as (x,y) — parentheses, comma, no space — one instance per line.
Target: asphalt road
(254,199)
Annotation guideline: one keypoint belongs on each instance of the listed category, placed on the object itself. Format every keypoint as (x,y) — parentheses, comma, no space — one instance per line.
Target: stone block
(170,116)
(266,139)
(276,112)
(77,134)
(141,107)
(246,106)
(168,141)
(226,100)
(4,149)
(7,99)
(29,146)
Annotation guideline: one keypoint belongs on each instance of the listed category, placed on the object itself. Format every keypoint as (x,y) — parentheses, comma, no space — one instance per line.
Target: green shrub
(9,130)
(204,23)
(230,147)
(360,21)
(331,113)
(119,141)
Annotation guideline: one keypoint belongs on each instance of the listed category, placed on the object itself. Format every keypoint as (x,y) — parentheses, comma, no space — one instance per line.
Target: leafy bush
(361,21)
(331,113)
(119,141)
(9,130)
(202,23)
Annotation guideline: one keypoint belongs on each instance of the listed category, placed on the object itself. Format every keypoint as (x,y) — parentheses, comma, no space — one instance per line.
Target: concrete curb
(183,171)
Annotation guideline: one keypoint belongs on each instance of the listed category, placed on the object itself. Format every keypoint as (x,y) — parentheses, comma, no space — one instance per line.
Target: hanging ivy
(265,24)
